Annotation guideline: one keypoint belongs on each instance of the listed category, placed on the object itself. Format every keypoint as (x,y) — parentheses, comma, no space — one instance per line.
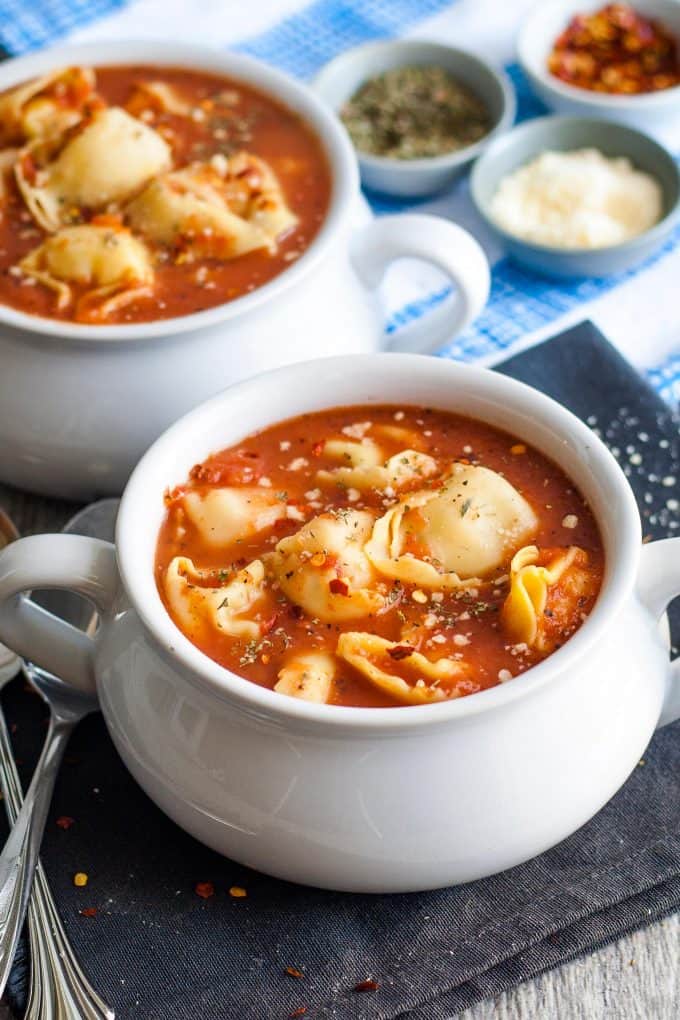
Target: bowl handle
(86,566)
(659,584)
(437,241)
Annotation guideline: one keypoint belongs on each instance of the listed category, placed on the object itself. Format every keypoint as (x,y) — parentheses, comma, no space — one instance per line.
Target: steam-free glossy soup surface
(137,193)
(378,556)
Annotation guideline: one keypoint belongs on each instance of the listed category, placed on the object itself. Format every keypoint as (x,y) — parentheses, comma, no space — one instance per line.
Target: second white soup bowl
(357,798)
(79,404)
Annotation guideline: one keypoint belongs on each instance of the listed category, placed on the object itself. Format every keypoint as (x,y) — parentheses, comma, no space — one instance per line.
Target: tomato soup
(131,194)
(378,556)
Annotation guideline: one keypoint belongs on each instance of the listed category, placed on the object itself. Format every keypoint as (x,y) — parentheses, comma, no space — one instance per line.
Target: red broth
(251,121)
(463,624)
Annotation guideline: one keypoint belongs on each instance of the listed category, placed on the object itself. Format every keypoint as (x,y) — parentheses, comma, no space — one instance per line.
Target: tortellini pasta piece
(158,97)
(252,190)
(110,158)
(47,105)
(227,515)
(363,466)
(209,210)
(352,454)
(185,209)
(453,535)
(376,658)
(307,676)
(225,608)
(108,260)
(400,434)
(323,567)
(523,611)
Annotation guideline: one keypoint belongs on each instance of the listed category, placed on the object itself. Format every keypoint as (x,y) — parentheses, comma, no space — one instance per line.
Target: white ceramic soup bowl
(365,799)
(79,404)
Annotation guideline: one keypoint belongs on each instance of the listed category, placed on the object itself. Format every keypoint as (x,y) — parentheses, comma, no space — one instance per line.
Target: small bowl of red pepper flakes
(616,50)
(617,60)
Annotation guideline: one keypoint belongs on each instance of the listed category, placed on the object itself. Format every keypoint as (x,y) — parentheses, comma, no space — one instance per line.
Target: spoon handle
(58,988)
(20,854)
(64,991)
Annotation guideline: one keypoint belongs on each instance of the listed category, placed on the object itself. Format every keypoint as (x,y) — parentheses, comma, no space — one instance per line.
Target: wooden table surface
(637,978)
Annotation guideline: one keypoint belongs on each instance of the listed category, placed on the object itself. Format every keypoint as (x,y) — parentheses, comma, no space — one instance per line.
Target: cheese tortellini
(220,209)
(453,535)
(252,190)
(45,106)
(523,611)
(323,567)
(363,466)
(107,160)
(227,515)
(156,97)
(229,607)
(307,676)
(376,659)
(108,260)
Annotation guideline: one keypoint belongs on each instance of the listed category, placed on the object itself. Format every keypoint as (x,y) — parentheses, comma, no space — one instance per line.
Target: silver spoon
(59,990)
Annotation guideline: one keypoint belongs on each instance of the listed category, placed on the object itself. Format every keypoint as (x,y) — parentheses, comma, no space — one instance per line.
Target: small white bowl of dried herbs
(417,112)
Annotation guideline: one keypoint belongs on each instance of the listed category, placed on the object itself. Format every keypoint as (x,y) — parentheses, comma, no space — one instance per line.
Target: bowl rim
(284,89)
(445,160)
(139,578)
(656,231)
(534,67)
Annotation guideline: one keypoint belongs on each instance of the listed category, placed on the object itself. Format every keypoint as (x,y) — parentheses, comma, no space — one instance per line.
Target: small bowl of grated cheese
(568,196)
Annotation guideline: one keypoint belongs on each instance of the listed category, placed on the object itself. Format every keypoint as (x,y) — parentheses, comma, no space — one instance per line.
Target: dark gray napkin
(157,951)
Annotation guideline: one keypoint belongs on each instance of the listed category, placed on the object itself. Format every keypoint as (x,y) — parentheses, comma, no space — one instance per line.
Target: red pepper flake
(28,167)
(238,469)
(317,448)
(293,972)
(65,822)
(400,652)
(300,1011)
(89,911)
(111,220)
(204,889)
(369,985)
(268,625)
(338,587)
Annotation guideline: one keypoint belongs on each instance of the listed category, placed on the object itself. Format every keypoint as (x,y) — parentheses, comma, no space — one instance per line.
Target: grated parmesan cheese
(579,199)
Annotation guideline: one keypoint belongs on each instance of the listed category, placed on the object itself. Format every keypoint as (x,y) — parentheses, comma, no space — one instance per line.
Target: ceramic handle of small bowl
(445,245)
(659,584)
(86,566)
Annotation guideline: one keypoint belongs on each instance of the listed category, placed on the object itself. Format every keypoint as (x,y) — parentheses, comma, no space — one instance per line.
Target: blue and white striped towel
(635,310)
